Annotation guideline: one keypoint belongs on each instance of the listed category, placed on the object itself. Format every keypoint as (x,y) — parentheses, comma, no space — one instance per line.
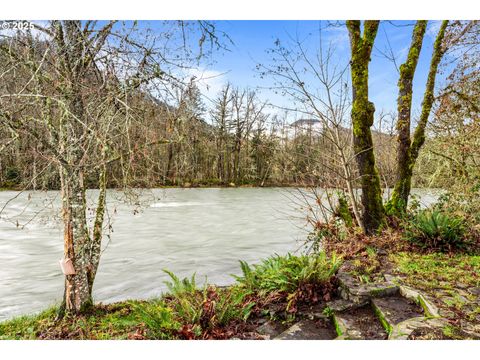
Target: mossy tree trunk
(81,248)
(77,295)
(404,106)
(362,119)
(408,150)
(96,243)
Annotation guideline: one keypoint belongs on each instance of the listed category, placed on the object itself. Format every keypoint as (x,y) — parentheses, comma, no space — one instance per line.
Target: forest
(114,105)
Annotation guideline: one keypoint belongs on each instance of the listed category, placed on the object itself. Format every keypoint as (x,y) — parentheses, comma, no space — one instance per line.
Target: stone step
(340,305)
(319,329)
(359,323)
(412,294)
(404,329)
(351,289)
(394,309)
(271,329)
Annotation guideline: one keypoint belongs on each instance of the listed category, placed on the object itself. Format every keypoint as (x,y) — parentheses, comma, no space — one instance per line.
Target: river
(183,230)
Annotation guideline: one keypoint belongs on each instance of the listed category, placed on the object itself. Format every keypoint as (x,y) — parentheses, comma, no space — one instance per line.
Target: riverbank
(285,293)
(185,185)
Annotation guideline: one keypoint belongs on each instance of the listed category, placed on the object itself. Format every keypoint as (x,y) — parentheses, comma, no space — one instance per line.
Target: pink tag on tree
(67,267)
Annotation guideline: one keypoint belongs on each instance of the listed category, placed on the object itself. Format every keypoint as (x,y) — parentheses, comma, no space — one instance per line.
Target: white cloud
(337,36)
(209,82)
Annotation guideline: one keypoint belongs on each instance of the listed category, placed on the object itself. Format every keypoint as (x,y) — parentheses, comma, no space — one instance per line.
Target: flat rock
(461,285)
(403,330)
(343,305)
(395,309)
(271,328)
(474,291)
(390,278)
(351,289)
(309,330)
(312,312)
(412,294)
(360,323)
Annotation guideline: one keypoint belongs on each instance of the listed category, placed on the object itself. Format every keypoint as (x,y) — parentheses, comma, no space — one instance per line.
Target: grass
(187,310)
(446,279)
(153,319)
(438,270)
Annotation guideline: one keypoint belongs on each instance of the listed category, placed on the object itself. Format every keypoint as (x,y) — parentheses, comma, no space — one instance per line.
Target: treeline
(236,142)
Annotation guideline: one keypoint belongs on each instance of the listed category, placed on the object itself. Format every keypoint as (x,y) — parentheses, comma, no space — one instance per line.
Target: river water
(183,230)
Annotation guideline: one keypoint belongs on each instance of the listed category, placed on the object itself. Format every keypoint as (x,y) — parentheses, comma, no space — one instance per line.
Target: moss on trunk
(362,119)
(401,191)
(408,151)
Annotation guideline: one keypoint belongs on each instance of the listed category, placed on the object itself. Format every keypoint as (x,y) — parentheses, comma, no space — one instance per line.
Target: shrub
(464,201)
(157,318)
(436,230)
(291,277)
(202,309)
(185,298)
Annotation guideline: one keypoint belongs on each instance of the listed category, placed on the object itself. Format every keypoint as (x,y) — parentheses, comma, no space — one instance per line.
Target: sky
(251,39)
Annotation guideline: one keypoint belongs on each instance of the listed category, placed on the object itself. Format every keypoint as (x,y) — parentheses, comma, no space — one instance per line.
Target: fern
(436,230)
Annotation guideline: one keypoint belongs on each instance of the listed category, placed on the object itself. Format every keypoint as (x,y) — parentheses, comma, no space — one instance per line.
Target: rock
(474,291)
(412,294)
(357,292)
(345,331)
(309,330)
(383,289)
(312,312)
(470,329)
(343,305)
(446,313)
(343,293)
(262,321)
(409,293)
(362,293)
(430,309)
(390,278)
(404,329)
(382,252)
(313,315)
(461,285)
(271,328)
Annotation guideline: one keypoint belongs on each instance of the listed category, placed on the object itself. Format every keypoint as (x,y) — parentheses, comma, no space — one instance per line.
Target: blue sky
(251,39)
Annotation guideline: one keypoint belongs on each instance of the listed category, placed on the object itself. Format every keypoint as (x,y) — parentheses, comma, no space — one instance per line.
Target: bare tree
(78,101)
(320,91)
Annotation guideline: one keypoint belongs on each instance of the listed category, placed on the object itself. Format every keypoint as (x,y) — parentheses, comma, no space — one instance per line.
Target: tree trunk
(362,119)
(76,241)
(399,199)
(408,152)
(96,243)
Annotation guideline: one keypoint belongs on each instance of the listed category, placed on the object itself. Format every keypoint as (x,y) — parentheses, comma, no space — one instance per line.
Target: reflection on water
(184,230)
